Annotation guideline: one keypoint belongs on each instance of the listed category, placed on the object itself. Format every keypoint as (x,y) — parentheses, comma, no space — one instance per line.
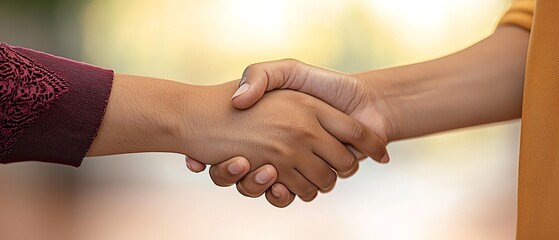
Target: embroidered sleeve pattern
(26,90)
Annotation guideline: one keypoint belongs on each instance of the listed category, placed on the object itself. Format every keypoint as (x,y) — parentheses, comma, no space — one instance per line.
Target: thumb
(261,77)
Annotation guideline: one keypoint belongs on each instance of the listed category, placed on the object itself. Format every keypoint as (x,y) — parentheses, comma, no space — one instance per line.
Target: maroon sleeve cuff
(51,107)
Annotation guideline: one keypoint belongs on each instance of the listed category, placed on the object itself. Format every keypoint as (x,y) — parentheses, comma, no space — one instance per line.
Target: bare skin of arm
(478,85)
(142,116)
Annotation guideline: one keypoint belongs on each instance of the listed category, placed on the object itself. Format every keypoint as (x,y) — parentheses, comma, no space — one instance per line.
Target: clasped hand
(290,143)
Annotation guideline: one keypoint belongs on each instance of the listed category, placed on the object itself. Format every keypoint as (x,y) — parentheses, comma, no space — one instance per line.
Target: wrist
(384,97)
(204,120)
(398,95)
(194,116)
(143,115)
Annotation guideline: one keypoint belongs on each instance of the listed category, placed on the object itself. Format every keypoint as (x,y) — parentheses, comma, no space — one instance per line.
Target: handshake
(289,128)
(288,143)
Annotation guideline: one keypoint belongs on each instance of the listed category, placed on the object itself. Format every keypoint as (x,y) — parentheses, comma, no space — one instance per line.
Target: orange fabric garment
(520,13)
(538,177)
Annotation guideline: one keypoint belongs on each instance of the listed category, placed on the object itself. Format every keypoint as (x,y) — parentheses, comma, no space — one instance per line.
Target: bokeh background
(454,185)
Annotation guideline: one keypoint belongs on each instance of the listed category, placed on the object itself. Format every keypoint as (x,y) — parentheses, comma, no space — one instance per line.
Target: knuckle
(329,182)
(280,203)
(250,68)
(220,176)
(350,172)
(309,193)
(349,162)
(299,132)
(248,191)
(217,179)
(305,101)
(281,151)
(358,132)
(291,61)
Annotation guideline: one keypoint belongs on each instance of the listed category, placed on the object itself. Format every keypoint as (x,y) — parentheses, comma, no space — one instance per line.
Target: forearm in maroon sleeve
(50,107)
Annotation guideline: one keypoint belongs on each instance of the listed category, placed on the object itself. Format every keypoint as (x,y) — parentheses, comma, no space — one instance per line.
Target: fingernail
(244,76)
(242,89)
(385,159)
(188,165)
(235,168)
(275,192)
(263,176)
(243,79)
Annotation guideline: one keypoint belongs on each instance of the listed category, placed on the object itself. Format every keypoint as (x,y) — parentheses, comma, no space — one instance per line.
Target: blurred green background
(455,185)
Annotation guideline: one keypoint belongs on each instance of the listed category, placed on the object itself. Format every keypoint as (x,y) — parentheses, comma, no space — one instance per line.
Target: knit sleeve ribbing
(50,107)
(520,14)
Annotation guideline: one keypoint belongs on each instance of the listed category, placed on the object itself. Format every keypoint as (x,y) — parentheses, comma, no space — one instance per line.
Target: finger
(298,184)
(318,172)
(261,77)
(351,131)
(194,165)
(258,181)
(324,84)
(279,196)
(337,155)
(358,155)
(229,172)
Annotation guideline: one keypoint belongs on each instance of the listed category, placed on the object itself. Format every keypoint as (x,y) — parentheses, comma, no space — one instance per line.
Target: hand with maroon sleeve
(58,110)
